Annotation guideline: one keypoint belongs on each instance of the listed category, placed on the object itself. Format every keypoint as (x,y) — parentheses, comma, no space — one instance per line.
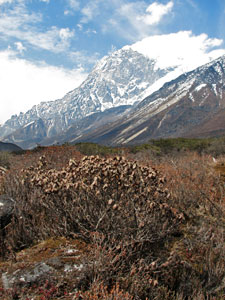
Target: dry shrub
(145,243)
(199,191)
(5,158)
(113,196)
(98,291)
(56,156)
(121,201)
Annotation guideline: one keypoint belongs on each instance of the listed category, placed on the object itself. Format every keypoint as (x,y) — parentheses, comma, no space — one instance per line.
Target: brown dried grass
(155,226)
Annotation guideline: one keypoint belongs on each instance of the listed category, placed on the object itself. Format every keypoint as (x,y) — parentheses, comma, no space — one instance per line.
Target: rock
(52,261)
(7,205)
(22,277)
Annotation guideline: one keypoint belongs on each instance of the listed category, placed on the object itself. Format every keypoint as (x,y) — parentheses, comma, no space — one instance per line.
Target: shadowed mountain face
(107,107)
(88,124)
(191,105)
(120,79)
(212,127)
(29,135)
(9,147)
(35,132)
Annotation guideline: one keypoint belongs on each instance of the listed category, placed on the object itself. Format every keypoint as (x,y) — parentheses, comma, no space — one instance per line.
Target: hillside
(119,79)
(191,105)
(111,106)
(9,147)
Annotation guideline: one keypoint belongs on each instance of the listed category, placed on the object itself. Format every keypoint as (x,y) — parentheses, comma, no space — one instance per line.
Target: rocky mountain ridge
(117,80)
(100,109)
(177,109)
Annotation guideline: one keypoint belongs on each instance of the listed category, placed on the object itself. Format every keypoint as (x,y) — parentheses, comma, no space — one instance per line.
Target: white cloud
(20,47)
(155,12)
(74,4)
(55,39)
(80,26)
(82,58)
(193,4)
(16,18)
(135,20)
(126,21)
(183,49)
(5,1)
(66,33)
(90,11)
(19,23)
(47,1)
(91,31)
(24,84)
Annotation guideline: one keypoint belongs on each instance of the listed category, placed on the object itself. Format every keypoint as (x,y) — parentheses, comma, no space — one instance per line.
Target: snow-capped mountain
(118,79)
(191,105)
(122,79)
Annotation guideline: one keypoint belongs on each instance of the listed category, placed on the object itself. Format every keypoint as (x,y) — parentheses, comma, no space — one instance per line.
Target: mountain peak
(117,80)
(123,78)
(193,104)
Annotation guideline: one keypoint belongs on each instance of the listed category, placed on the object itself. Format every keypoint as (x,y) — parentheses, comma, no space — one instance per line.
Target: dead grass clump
(199,191)
(115,204)
(111,195)
(98,291)
(5,158)
(147,237)
(220,169)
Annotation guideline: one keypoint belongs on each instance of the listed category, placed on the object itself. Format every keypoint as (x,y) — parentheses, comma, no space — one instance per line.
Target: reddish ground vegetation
(150,228)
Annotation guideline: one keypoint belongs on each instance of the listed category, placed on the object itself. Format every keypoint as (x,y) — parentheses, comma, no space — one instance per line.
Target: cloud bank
(183,49)
(83,32)
(24,84)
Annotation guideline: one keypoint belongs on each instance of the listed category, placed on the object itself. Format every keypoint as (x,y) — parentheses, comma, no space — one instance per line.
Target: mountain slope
(180,107)
(35,132)
(9,147)
(211,127)
(29,135)
(88,124)
(119,79)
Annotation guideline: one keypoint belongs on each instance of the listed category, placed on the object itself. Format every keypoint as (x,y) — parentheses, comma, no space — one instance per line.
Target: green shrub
(95,149)
(179,144)
(161,147)
(152,149)
(216,147)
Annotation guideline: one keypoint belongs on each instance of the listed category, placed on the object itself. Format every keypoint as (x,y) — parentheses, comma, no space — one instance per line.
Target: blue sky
(47,47)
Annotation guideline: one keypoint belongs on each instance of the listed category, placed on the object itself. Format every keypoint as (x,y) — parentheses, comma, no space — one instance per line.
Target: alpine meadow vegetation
(93,222)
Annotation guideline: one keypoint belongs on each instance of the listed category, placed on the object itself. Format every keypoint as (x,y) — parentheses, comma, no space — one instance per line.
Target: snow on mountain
(118,79)
(192,103)
(211,75)
(125,77)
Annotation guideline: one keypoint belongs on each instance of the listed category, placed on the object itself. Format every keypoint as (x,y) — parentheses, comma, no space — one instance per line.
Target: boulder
(7,205)
(38,270)
(26,276)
